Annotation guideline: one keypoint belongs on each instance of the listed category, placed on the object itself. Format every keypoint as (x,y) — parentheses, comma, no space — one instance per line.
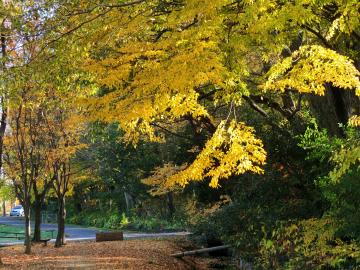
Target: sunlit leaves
(345,159)
(310,68)
(232,150)
(355,121)
(347,20)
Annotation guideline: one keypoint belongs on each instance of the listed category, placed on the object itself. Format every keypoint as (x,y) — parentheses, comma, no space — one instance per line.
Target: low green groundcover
(15,233)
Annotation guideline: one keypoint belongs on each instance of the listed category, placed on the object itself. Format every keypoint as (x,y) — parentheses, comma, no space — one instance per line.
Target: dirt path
(134,254)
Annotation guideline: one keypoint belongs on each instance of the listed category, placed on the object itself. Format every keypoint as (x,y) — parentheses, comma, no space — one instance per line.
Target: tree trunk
(38,205)
(27,230)
(4,109)
(334,108)
(3,113)
(170,203)
(60,238)
(129,201)
(4,208)
(37,226)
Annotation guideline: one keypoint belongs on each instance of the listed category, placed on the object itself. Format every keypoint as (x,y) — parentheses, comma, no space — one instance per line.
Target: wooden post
(109,236)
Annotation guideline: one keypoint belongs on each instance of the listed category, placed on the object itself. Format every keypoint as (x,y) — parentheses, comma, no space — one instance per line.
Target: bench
(50,231)
(21,236)
(13,235)
(109,236)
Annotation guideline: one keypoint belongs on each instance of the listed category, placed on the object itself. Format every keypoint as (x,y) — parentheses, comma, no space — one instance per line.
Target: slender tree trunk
(63,218)
(4,208)
(110,204)
(27,229)
(60,238)
(170,203)
(37,225)
(2,128)
(100,205)
(3,112)
(129,201)
(4,108)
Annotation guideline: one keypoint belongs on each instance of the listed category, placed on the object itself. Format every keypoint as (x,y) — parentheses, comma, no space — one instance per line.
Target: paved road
(77,233)
(71,231)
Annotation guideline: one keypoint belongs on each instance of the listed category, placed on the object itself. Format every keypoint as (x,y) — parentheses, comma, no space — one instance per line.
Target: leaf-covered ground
(135,254)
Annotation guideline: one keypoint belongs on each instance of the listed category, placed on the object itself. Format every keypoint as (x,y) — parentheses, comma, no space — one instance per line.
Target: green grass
(18,231)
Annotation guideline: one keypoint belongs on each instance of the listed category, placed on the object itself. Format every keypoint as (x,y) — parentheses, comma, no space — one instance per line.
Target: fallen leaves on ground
(134,254)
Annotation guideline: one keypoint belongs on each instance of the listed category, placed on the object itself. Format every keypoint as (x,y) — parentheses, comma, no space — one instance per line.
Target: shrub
(307,244)
(122,221)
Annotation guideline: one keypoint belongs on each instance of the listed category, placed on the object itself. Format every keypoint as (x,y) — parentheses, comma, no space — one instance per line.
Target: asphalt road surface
(78,233)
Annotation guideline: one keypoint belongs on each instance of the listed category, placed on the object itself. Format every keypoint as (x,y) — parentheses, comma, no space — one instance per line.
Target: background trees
(23,155)
(44,136)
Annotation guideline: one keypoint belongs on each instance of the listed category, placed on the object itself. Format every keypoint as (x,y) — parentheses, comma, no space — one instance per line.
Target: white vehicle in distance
(17,211)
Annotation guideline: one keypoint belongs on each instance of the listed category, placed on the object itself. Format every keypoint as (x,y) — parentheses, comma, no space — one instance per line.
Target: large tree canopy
(161,63)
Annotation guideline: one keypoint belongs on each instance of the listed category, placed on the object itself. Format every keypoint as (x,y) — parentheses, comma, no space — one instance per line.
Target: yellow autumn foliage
(355,121)
(154,62)
(232,150)
(310,68)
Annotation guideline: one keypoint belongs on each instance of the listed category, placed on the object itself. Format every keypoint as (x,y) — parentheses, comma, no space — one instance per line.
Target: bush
(121,221)
(307,244)
(113,221)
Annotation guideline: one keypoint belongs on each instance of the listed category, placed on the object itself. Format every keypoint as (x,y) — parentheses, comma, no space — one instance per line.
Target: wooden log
(109,236)
(199,251)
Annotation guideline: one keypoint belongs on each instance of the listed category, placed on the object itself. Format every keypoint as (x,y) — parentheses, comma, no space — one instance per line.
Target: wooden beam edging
(199,251)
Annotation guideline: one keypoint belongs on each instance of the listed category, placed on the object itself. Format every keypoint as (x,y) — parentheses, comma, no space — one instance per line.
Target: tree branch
(266,101)
(318,35)
(264,114)
(169,131)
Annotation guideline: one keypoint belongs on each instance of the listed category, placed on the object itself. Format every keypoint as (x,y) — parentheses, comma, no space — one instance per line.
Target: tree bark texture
(170,203)
(37,226)
(60,238)
(335,108)
(4,208)
(27,229)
